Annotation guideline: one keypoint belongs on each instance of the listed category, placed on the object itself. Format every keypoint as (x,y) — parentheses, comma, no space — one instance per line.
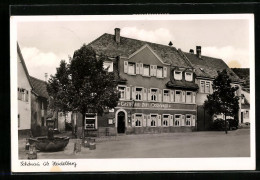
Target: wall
(24,108)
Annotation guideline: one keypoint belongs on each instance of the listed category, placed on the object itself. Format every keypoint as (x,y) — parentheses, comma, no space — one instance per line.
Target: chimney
(170,43)
(191,51)
(198,49)
(117,35)
(46,77)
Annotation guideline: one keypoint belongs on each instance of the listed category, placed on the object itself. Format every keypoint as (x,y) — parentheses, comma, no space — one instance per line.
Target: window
(207,87)
(153,120)
(138,93)
(23,94)
(122,92)
(177,75)
(159,72)
(90,121)
(177,120)
(246,115)
(188,97)
(166,96)
(146,70)
(188,120)
(108,65)
(165,120)
(138,120)
(177,96)
(131,68)
(202,86)
(19,94)
(154,94)
(188,76)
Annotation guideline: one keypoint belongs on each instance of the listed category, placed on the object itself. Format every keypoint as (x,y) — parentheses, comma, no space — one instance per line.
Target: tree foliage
(223,99)
(83,85)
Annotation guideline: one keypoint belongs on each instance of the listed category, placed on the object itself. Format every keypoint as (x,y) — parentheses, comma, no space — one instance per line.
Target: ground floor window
(18,120)
(138,120)
(188,120)
(153,120)
(177,121)
(165,120)
(90,121)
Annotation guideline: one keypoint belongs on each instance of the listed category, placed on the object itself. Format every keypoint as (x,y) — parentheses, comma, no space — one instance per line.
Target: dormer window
(131,68)
(108,65)
(188,76)
(177,75)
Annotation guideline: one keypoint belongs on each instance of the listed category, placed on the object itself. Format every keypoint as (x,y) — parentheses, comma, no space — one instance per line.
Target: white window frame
(108,64)
(95,117)
(169,98)
(159,67)
(175,95)
(186,77)
(149,70)
(202,90)
(191,94)
(187,119)
(155,124)
(179,120)
(157,96)
(142,91)
(128,70)
(175,75)
(142,117)
(168,122)
(122,86)
(207,84)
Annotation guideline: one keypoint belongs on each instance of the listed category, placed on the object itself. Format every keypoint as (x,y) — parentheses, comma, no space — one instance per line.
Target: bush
(233,124)
(219,125)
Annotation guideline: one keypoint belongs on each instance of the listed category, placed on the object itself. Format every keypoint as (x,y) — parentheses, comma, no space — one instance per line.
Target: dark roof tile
(39,87)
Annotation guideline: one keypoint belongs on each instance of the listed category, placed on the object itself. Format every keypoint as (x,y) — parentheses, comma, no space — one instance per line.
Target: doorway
(242,117)
(121,122)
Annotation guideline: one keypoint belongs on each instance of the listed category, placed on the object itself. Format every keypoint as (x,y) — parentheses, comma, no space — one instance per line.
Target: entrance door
(121,122)
(242,117)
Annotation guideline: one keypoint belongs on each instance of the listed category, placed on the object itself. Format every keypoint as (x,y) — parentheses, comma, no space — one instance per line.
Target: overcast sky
(44,44)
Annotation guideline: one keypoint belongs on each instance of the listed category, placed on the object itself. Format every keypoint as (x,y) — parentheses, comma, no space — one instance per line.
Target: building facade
(24,95)
(161,88)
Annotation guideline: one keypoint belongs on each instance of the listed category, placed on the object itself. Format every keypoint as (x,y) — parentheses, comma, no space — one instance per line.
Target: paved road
(168,145)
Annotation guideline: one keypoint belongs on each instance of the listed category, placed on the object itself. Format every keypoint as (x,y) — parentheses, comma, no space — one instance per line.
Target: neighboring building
(245,107)
(206,70)
(24,95)
(39,101)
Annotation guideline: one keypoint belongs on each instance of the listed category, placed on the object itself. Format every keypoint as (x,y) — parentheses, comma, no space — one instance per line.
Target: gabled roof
(208,66)
(39,87)
(23,64)
(107,45)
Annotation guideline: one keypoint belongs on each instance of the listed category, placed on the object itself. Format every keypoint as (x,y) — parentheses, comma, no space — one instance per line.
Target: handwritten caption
(48,163)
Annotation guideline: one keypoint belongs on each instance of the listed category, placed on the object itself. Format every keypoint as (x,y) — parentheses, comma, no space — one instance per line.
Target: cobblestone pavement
(166,145)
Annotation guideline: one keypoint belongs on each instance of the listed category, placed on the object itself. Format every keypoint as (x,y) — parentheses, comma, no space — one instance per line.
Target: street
(166,145)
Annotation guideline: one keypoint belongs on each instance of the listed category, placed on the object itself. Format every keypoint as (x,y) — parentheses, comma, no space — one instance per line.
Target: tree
(83,85)
(223,100)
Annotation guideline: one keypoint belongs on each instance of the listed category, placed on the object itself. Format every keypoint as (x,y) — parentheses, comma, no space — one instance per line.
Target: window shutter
(164,71)
(149,94)
(148,120)
(159,120)
(133,120)
(193,120)
(171,95)
(144,120)
(210,87)
(141,68)
(151,70)
(202,90)
(133,93)
(171,120)
(145,94)
(194,97)
(137,68)
(127,93)
(155,70)
(183,97)
(125,66)
(160,95)
(182,120)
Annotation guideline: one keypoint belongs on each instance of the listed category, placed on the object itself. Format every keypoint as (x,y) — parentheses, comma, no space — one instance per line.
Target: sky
(45,43)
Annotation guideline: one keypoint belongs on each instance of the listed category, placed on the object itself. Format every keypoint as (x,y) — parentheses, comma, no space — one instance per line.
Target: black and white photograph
(132,93)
